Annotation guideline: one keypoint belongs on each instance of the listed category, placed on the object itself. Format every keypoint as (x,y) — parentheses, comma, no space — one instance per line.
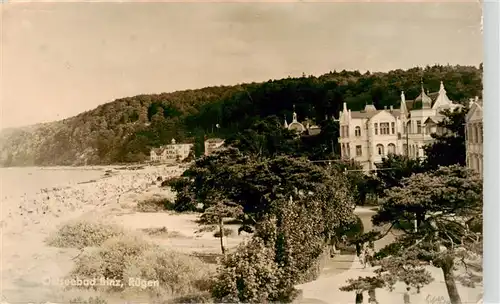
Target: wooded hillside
(124,130)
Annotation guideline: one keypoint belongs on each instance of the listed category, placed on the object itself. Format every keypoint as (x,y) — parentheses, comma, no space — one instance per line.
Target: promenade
(325,290)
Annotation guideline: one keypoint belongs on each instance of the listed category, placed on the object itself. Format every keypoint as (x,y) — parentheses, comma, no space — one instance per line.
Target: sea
(27,181)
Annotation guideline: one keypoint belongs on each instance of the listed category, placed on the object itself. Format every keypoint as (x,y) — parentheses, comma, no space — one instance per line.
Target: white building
(474,135)
(369,135)
(170,153)
(213,144)
(303,129)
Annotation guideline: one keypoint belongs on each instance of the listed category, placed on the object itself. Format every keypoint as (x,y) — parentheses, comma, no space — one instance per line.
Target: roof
(370,114)
(313,131)
(430,119)
(417,103)
(476,105)
(158,150)
(296,126)
(214,140)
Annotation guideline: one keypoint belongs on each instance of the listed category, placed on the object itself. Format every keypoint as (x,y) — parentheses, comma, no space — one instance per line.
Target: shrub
(81,234)
(155,205)
(178,274)
(130,256)
(111,259)
(248,275)
(161,231)
(200,297)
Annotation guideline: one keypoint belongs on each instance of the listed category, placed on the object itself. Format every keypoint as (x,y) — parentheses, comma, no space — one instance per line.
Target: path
(325,290)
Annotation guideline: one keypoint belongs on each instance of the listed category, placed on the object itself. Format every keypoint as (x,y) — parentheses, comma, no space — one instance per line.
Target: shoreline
(27,221)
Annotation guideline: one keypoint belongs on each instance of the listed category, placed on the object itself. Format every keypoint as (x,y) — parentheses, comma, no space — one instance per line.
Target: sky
(60,59)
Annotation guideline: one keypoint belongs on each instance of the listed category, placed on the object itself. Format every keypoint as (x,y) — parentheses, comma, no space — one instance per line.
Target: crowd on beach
(60,202)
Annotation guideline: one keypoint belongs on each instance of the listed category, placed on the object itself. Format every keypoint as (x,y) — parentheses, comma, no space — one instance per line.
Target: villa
(171,153)
(474,135)
(369,135)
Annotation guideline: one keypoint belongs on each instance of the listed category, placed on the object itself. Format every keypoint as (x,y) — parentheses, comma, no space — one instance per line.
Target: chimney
(392,108)
(345,107)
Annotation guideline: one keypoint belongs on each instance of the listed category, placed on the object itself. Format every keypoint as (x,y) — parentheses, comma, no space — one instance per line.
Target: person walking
(360,253)
(406,296)
(359,297)
(367,257)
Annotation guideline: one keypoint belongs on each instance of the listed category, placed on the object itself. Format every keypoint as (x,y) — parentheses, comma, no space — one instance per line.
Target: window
(348,151)
(419,127)
(376,128)
(357,131)
(380,150)
(359,150)
(391,149)
(476,134)
(481,133)
(384,128)
(343,150)
(405,149)
(393,128)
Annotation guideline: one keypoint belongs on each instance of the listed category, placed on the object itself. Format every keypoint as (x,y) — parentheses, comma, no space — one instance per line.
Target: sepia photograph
(297,152)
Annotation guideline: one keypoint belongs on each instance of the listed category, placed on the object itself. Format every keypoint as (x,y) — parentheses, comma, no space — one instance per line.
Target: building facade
(307,128)
(474,136)
(369,135)
(212,145)
(171,153)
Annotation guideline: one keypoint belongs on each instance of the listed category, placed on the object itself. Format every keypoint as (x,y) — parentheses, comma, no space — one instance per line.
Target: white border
(491,253)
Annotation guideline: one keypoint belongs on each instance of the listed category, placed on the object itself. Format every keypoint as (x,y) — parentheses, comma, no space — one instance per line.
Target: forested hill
(124,130)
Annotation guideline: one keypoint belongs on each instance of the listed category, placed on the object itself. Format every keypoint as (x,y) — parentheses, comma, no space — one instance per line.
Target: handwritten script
(437,300)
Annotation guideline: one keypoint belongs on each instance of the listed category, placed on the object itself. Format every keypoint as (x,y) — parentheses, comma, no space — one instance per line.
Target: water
(17,182)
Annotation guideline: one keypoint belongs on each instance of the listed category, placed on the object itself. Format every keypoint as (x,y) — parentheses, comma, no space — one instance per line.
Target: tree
(264,138)
(363,284)
(214,215)
(442,202)
(405,268)
(259,184)
(394,168)
(362,185)
(448,147)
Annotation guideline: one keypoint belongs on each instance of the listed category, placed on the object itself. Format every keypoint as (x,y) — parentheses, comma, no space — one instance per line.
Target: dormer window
(357,131)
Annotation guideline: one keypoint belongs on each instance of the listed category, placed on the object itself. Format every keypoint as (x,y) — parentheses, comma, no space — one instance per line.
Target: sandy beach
(28,263)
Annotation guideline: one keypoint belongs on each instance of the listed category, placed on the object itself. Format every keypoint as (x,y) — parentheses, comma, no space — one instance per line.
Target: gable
(475,112)
(383,115)
(430,121)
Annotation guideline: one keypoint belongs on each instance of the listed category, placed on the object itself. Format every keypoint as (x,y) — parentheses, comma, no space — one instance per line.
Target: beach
(30,213)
